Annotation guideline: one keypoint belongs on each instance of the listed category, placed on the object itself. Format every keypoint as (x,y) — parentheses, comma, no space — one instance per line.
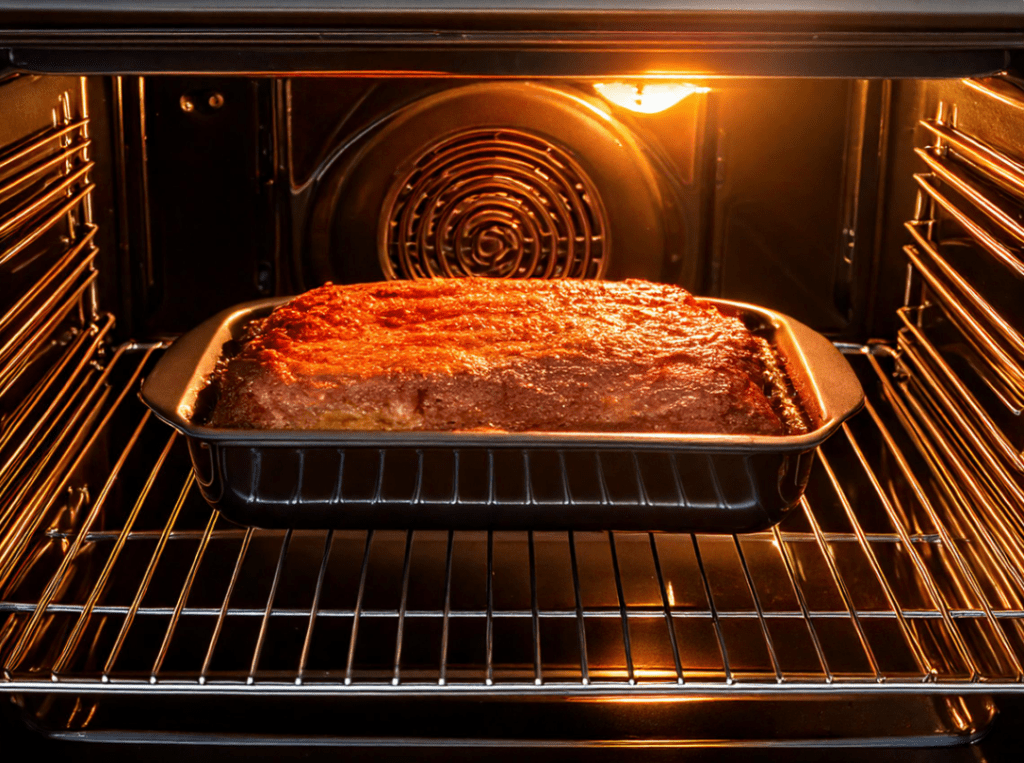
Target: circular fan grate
(494,203)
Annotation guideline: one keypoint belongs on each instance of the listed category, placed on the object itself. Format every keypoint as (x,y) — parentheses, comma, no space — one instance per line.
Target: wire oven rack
(886,581)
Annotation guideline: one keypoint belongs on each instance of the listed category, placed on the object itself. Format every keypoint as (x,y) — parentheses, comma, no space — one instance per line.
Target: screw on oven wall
(204,102)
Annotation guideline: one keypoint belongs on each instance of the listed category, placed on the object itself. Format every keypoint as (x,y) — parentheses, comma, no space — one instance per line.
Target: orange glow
(650,699)
(648,97)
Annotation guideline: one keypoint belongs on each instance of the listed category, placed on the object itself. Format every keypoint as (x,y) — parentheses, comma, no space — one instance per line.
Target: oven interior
(885,213)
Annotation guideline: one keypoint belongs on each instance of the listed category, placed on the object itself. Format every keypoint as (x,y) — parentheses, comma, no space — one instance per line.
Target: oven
(858,167)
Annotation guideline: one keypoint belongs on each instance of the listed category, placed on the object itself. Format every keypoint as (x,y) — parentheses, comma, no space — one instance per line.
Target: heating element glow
(649,97)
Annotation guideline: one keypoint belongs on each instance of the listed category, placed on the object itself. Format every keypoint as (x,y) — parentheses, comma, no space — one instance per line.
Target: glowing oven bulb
(649,97)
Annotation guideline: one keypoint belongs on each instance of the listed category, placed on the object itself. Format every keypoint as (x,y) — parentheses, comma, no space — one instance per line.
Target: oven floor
(541,724)
(1000,746)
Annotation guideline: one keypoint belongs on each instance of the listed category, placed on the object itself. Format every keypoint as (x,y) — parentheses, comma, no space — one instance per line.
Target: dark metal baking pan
(514,481)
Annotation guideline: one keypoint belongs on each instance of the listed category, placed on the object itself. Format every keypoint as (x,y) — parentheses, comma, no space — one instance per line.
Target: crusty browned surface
(515,356)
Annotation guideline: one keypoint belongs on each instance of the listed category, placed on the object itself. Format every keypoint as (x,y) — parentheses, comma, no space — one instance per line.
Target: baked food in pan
(488,354)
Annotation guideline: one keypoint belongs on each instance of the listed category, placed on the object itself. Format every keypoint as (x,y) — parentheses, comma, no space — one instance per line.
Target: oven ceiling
(524,38)
(827,8)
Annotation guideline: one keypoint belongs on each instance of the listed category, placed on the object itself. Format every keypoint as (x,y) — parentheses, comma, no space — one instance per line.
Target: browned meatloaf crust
(472,353)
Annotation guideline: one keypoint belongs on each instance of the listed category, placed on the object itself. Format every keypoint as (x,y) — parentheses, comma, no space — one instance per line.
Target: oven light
(647,97)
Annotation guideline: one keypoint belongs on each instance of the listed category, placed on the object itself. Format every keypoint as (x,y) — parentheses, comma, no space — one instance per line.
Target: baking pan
(516,481)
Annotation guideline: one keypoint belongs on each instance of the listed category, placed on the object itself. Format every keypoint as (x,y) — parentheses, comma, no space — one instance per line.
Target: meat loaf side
(485,354)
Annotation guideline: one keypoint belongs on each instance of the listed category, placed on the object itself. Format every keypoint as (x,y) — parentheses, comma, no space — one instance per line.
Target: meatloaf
(488,354)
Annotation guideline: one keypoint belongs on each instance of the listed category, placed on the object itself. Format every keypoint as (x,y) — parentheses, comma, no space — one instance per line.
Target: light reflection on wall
(647,97)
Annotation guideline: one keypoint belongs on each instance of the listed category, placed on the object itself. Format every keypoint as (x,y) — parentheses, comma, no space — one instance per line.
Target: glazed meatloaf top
(486,354)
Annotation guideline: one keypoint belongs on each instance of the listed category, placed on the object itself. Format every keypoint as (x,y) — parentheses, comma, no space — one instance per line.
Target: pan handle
(175,382)
(834,382)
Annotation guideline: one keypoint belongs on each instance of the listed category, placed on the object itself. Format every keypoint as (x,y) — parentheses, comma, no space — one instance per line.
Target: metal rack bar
(14,360)
(56,476)
(26,151)
(22,570)
(920,657)
(635,613)
(538,677)
(1000,324)
(186,590)
(1001,569)
(988,242)
(222,614)
(147,578)
(964,395)
(46,224)
(261,639)
(21,475)
(830,562)
(603,613)
(442,676)
(314,607)
(977,449)
(1004,567)
(666,604)
(790,536)
(993,379)
(360,592)
(997,89)
(402,606)
(27,411)
(961,563)
(489,634)
(39,287)
(33,207)
(801,599)
(1000,381)
(75,637)
(623,611)
(915,557)
(973,441)
(958,453)
(714,612)
(38,169)
(1010,369)
(968,190)
(581,629)
(45,310)
(765,633)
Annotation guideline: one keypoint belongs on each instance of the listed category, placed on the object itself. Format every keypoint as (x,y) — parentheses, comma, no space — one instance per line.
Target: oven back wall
(201,153)
(249,187)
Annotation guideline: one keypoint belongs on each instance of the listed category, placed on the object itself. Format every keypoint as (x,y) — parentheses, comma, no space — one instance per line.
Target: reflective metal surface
(495,203)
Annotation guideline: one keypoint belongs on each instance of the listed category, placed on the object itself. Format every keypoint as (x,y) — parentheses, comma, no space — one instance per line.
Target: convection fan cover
(500,203)
(497,179)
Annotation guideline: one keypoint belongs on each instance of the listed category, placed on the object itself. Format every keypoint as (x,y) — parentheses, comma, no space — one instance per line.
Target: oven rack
(45,204)
(889,579)
(971,192)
